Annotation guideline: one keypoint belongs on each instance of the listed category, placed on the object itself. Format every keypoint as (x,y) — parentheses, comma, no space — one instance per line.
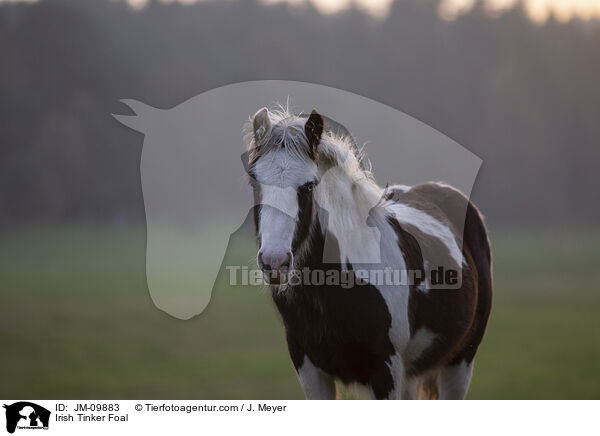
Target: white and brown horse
(400,340)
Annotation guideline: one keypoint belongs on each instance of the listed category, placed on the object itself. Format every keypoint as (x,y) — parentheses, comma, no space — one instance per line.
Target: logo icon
(26,415)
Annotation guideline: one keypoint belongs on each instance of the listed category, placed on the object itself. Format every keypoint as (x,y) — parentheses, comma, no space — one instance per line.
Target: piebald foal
(319,209)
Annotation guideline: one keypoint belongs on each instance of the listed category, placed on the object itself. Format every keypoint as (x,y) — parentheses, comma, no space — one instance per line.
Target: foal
(319,209)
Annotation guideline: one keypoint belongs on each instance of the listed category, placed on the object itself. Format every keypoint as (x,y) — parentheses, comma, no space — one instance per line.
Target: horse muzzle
(275,266)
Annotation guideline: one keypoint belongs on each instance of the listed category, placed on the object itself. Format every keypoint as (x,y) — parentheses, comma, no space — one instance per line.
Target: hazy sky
(538,10)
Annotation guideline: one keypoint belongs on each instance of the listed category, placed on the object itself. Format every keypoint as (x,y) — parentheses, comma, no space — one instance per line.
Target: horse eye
(310,186)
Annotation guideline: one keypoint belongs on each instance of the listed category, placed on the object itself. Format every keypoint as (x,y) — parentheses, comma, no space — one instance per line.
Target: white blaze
(277,218)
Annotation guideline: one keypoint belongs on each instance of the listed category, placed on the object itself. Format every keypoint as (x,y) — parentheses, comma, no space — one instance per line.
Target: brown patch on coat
(458,317)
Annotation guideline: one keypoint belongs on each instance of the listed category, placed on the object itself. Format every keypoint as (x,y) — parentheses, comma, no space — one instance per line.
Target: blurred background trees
(523,96)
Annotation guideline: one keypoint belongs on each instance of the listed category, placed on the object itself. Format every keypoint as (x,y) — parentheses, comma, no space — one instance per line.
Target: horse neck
(344,203)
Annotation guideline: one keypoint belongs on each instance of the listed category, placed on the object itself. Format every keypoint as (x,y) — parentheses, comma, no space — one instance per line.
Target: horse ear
(261,125)
(313,129)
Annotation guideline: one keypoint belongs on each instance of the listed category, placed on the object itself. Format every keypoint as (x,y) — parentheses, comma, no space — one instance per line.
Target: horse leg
(455,380)
(410,389)
(387,381)
(316,384)
(428,386)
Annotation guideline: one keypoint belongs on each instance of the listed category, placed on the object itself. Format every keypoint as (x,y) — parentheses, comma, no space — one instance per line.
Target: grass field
(76,321)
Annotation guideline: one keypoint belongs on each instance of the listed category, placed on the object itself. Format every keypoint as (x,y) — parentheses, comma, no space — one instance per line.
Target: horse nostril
(287,262)
(261,263)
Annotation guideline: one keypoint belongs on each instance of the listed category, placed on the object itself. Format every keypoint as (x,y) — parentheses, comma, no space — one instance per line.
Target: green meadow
(77,322)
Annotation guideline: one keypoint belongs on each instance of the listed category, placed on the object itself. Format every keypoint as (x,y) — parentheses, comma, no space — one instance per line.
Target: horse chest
(344,332)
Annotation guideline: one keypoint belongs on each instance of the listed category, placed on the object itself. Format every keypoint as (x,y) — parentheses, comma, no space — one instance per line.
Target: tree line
(524,97)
